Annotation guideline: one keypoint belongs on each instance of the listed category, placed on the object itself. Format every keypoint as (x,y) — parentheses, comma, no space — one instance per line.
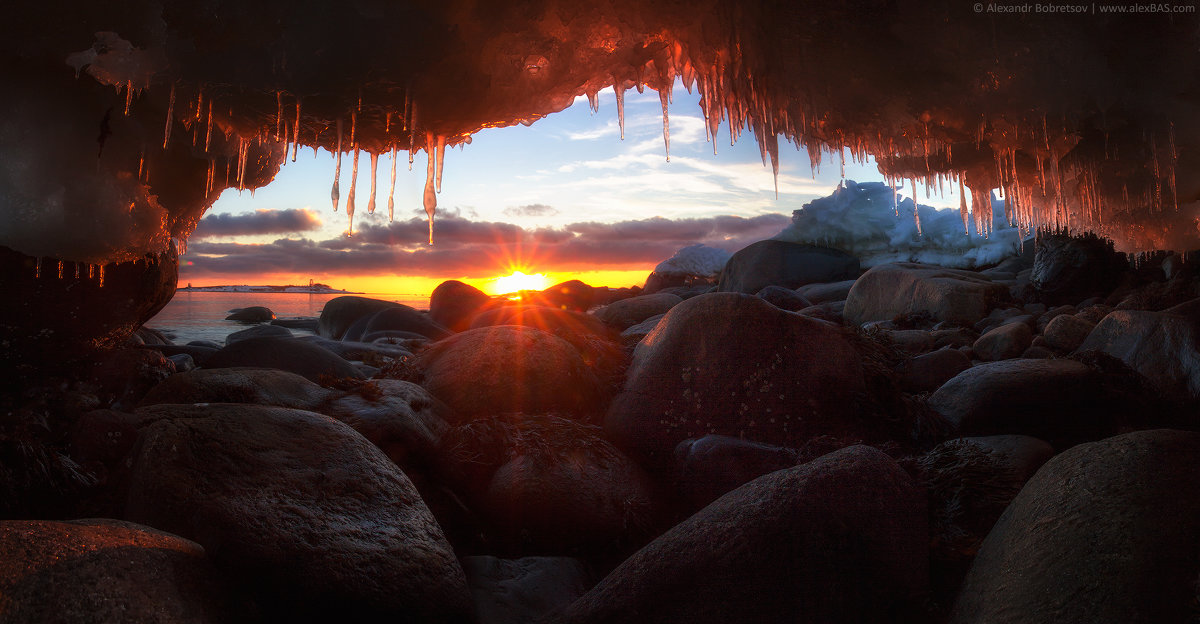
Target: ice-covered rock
(697,260)
(869,221)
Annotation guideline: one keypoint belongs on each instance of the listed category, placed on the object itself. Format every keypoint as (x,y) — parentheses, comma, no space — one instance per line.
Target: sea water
(201,315)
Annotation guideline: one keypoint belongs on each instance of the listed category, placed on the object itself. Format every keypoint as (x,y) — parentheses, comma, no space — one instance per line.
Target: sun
(519,281)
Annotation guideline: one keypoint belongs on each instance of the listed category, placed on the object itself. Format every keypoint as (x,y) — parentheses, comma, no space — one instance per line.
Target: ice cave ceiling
(122,122)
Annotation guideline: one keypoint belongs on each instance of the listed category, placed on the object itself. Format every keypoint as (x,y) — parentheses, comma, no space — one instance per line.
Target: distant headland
(311,289)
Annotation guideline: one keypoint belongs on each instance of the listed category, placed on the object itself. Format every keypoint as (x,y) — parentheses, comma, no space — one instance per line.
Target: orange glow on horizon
(418,287)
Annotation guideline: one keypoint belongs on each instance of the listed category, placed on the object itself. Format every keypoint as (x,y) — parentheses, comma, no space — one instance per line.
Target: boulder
(404,318)
(297,508)
(1070,269)
(252,314)
(399,417)
(733,364)
(783,298)
(1162,347)
(823,293)
(571,295)
(710,466)
(888,291)
(548,485)
(183,362)
(340,313)
(288,354)
(634,334)
(259,331)
(839,539)
(301,323)
(509,368)
(622,315)
(519,591)
(780,263)
(453,304)
(105,571)
(353,350)
(928,372)
(830,311)
(1104,532)
(260,386)
(1066,332)
(1062,401)
(1007,341)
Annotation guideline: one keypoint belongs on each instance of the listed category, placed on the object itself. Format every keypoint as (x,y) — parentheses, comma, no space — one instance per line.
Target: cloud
(482,248)
(531,210)
(259,222)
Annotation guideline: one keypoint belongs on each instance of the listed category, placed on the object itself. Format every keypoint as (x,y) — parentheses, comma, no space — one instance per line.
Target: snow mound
(862,219)
(694,260)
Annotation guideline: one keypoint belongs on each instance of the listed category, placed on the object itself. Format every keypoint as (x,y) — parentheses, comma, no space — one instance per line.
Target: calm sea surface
(201,315)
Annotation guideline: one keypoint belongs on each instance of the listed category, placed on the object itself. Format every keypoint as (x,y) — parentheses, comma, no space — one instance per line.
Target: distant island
(320,289)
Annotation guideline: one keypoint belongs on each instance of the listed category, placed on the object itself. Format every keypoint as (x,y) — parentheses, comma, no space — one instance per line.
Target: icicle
(296,132)
(336,194)
(243,149)
(128,96)
(278,114)
(77,270)
(619,89)
(208,133)
(392,189)
(594,101)
(209,184)
(170,113)
(663,96)
(60,269)
(374,166)
(141,162)
(37,268)
(91,271)
(412,133)
(962,205)
(430,196)
(353,185)
(842,156)
(773,150)
(441,156)
(916,213)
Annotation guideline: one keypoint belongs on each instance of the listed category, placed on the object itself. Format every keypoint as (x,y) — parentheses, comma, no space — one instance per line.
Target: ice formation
(697,260)
(1075,123)
(866,220)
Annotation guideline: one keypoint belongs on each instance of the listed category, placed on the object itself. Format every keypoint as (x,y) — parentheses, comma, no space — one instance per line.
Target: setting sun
(519,281)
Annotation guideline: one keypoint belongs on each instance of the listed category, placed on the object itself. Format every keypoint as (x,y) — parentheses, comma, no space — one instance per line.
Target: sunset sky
(565,197)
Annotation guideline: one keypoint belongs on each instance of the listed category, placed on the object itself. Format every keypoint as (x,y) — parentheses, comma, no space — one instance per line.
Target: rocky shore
(793,439)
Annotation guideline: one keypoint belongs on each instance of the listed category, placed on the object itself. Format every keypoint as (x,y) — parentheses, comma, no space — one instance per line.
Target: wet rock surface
(760,553)
(300,508)
(107,571)
(1102,533)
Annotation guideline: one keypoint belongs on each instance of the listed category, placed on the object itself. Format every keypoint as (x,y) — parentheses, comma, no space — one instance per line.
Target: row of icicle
(741,107)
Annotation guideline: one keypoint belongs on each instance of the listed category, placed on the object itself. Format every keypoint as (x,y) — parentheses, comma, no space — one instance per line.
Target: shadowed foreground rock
(733,364)
(105,571)
(298,508)
(1104,532)
(840,539)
